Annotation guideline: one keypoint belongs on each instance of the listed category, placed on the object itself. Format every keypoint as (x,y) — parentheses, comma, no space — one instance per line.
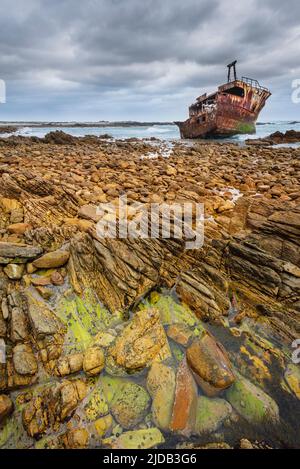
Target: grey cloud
(138,53)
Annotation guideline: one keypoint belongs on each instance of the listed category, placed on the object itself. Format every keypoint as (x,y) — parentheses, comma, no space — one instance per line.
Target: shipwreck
(232,109)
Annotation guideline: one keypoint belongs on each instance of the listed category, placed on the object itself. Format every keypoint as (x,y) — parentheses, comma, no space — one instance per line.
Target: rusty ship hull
(232,109)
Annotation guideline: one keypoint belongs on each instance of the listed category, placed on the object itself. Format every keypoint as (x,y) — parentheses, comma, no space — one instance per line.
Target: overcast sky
(142,59)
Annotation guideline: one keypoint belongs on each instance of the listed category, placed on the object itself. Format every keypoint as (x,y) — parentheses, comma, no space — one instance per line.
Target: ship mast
(231,66)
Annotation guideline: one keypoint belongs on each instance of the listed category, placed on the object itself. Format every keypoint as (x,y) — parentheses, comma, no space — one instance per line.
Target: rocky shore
(277,138)
(140,343)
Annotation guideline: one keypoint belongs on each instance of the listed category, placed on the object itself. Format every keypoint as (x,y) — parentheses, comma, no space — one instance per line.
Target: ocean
(163,132)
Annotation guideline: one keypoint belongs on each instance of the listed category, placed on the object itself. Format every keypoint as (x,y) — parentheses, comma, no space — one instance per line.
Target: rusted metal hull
(227,114)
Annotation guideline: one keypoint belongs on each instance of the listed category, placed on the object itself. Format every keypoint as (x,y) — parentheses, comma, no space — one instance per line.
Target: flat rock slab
(24,251)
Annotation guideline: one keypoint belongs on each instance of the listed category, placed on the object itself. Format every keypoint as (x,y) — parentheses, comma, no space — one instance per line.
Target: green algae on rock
(138,439)
(252,403)
(211,413)
(110,385)
(96,405)
(130,404)
(171,312)
(84,317)
(161,384)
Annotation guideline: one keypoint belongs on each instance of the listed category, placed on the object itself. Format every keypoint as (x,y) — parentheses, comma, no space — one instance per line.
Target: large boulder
(210,364)
(141,342)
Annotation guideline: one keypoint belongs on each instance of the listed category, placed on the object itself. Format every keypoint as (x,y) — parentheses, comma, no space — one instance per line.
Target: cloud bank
(142,60)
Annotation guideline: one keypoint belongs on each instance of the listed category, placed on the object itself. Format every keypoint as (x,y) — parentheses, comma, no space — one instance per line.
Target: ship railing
(253,83)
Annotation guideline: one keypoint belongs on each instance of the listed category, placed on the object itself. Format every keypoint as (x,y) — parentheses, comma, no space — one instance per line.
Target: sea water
(162,132)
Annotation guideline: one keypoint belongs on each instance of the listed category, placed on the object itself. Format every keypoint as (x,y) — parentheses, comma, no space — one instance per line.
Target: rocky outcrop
(132,316)
(290,136)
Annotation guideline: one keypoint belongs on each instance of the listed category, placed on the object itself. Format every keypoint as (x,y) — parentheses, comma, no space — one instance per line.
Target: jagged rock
(138,439)
(206,298)
(210,363)
(52,260)
(14,271)
(119,271)
(94,361)
(54,405)
(210,414)
(252,403)
(161,386)
(130,405)
(24,360)
(184,409)
(43,320)
(141,342)
(6,406)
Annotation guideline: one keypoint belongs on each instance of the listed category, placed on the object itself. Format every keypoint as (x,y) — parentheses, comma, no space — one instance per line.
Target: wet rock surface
(125,343)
